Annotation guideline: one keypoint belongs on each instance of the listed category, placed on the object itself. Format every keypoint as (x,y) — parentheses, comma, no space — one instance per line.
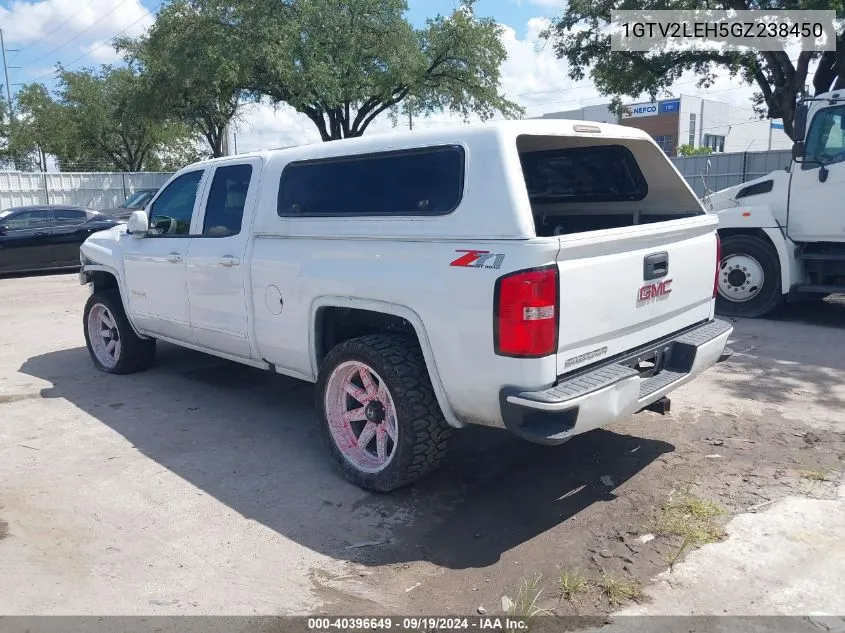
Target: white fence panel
(91,190)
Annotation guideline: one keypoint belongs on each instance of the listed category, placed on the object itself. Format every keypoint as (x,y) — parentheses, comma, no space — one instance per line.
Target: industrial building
(695,121)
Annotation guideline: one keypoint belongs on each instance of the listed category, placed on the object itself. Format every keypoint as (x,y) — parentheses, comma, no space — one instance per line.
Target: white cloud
(100,52)
(549,4)
(538,80)
(264,127)
(71,21)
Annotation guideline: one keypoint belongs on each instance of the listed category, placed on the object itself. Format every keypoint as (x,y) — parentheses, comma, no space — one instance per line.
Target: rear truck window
(577,185)
(419,182)
(583,174)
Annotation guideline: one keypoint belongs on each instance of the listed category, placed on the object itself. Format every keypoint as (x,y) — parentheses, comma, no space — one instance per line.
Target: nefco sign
(652,109)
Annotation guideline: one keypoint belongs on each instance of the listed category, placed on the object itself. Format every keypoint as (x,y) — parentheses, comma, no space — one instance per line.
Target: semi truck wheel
(112,343)
(749,277)
(378,413)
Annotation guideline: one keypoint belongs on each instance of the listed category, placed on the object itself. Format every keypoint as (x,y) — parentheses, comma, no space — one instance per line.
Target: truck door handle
(174,258)
(228,261)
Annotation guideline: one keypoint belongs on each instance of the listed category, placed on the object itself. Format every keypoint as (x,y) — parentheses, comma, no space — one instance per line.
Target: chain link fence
(91,190)
(713,172)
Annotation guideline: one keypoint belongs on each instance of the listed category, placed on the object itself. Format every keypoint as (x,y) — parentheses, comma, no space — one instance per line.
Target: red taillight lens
(718,261)
(526,313)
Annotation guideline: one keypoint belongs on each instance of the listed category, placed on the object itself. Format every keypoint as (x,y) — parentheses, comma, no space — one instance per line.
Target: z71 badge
(478,259)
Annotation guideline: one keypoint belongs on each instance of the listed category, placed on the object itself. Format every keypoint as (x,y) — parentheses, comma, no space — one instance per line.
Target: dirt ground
(201,487)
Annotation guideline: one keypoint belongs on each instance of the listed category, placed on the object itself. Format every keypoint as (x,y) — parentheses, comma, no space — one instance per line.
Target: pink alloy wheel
(361,416)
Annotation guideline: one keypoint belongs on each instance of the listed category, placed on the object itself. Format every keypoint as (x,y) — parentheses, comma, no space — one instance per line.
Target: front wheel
(749,283)
(378,413)
(112,343)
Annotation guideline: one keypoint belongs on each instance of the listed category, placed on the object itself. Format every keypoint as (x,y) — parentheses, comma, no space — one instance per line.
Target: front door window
(171,212)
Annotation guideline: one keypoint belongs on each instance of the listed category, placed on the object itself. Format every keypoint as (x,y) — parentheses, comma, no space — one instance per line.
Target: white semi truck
(783,235)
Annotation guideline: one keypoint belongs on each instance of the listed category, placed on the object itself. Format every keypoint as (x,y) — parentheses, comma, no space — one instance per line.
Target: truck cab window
(826,139)
(171,213)
(224,210)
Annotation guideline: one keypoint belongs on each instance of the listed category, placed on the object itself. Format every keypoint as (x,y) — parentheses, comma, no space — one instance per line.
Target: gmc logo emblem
(653,291)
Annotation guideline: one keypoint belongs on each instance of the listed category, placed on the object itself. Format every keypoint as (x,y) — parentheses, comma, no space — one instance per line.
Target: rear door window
(69,217)
(601,173)
(224,210)
(421,182)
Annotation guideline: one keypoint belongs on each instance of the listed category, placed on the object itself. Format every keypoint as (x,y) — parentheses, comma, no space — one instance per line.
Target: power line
(46,35)
(82,32)
(106,43)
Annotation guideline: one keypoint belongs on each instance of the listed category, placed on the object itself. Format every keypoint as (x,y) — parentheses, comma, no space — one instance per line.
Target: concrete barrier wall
(91,190)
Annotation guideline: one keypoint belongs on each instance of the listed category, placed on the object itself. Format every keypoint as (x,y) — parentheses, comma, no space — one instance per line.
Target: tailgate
(623,288)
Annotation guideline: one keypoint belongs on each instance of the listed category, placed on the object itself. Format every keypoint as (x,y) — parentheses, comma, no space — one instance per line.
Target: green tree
(689,150)
(345,62)
(39,129)
(108,125)
(190,70)
(580,37)
(5,151)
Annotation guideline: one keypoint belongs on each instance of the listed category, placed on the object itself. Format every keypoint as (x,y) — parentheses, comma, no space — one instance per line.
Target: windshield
(137,199)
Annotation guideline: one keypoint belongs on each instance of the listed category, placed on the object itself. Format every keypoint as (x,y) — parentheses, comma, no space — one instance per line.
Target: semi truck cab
(783,235)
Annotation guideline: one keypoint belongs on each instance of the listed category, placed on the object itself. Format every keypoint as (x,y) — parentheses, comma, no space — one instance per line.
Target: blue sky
(511,12)
(78,33)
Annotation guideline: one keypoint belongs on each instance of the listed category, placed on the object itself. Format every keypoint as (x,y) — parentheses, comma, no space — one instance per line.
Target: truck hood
(760,191)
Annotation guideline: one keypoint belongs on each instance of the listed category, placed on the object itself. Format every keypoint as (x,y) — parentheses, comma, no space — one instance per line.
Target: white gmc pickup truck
(547,277)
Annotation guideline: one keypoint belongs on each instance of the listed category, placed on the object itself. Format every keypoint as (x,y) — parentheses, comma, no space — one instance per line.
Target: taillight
(526,313)
(718,261)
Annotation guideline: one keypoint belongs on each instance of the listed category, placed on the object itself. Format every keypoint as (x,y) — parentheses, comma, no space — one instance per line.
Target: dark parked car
(134,202)
(48,236)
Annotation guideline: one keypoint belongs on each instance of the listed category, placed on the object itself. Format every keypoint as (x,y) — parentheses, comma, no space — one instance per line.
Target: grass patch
(571,583)
(618,590)
(524,605)
(675,556)
(815,474)
(691,518)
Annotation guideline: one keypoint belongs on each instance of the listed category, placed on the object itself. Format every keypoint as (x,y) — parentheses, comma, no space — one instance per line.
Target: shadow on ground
(829,312)
(777,357)
(249,439)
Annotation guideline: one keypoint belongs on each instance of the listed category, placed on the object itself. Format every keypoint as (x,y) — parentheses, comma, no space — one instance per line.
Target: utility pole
(410,119)
(8,85)
(6,71)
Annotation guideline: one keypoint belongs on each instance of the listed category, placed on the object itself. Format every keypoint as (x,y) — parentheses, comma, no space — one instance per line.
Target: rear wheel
(112,343)
(749,283)
(378,413)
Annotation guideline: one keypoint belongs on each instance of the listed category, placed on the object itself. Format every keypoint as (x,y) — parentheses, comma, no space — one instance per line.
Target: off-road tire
(137,354)
(770,296)
(423,432)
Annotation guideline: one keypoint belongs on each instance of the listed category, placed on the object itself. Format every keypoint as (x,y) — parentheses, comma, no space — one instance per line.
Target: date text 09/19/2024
(418,623)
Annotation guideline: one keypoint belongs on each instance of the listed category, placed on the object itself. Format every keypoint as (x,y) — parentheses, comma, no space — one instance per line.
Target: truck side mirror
(799,122)
(798,151)
(138,224)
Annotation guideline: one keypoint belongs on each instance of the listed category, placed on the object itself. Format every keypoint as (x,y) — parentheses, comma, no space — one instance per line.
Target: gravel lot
(201,487)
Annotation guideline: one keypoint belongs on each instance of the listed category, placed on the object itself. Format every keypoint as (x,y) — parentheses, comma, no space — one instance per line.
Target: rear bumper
(612,391)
